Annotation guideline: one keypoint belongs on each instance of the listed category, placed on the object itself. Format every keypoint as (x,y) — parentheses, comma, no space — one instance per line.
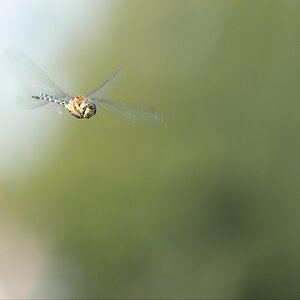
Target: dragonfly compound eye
(90,110)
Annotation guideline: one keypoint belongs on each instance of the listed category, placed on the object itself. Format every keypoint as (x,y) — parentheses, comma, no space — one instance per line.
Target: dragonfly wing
(104,85)
(131,113)
(31,80)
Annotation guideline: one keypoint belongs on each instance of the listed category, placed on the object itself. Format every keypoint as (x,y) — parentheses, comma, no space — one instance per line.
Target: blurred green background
(205,205)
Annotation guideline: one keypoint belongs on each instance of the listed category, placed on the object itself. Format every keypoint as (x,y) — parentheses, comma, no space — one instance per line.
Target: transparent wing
(127,112)
(131,113)
(104,85)
(31,80)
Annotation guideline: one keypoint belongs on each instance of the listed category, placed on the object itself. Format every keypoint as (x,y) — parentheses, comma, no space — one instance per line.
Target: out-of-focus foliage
(206,205)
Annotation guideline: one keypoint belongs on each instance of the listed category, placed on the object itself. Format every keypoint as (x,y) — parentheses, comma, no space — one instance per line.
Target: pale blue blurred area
(205,205)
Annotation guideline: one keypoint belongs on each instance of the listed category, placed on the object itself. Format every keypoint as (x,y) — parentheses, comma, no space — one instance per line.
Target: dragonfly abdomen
(49,98)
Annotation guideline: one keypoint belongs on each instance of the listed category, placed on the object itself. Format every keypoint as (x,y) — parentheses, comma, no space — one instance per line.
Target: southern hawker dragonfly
(39,90)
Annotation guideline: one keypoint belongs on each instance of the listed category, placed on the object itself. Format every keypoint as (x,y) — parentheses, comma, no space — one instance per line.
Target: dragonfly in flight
(39,90)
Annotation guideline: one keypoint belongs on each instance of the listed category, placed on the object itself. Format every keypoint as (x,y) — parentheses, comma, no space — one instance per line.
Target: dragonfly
(38,90)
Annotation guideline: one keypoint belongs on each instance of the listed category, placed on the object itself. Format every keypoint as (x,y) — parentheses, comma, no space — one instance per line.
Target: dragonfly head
(90,110)
(87,107)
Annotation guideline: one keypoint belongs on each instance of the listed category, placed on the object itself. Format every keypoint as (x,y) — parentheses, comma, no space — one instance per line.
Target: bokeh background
(205,205)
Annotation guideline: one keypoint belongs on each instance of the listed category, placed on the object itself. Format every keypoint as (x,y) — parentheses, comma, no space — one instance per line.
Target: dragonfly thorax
(81,107)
